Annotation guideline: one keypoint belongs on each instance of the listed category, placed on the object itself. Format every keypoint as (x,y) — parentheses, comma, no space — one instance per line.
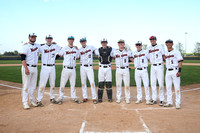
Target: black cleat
(153,102)
(84,100)
(53,100)
(39,104)
(77,101)
(110,100)
(100,101)
(161,103)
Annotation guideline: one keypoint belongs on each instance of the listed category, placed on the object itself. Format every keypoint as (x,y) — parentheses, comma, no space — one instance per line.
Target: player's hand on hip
(178,74)
(27,72)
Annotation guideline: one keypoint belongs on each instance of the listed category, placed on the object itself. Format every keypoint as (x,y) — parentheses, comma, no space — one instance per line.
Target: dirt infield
(104,117)
(187,64)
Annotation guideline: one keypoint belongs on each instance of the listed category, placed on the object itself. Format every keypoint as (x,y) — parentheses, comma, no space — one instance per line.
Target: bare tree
(128,47)
(197,49)
(179,47)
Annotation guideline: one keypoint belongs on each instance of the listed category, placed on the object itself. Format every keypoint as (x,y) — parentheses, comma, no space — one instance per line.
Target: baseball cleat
(138,101)
(178,106)
(110,100)
(118,101)
(58,102)
(33,104)
(161,103)
(128,101)
(39,104)
(148,102)
(153,102)
(84,100)
(95,101)
(26,106)
(77,101)
(52,100)
(168,105)
(100,101)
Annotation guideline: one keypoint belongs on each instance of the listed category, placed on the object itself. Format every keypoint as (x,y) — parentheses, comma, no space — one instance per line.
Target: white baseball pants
(142,76)
(157,73)
(29,84)
(88,72)
(105,74)
(123,74)
(47,72)
(170,78)
(65,75)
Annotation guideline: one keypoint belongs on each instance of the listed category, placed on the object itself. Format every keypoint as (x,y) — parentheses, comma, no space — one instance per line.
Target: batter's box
(105,120)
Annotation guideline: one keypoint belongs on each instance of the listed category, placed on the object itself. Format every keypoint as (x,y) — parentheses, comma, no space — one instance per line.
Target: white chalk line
(123,107)
(142,121)
(113,132)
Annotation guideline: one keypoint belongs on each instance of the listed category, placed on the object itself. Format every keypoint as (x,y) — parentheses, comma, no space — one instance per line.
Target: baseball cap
(70,37)
(83,39)
(121,41)
(49,36)
(138,43)
(152,38)
(169,41)
(32,34)
(104,40)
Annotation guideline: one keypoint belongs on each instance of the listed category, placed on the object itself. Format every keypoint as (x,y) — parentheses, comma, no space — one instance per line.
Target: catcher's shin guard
(100,94)
(109,94)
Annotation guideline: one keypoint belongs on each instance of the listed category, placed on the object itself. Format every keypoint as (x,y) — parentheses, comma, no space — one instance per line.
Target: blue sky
(131,20)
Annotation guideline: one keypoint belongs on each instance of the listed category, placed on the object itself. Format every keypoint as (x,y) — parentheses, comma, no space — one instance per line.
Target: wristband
(179,69)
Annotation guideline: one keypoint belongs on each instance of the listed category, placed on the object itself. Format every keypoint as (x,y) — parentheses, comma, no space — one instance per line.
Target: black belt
(171,69)
(157,64)
(105,66)
(31,65)
(69,67)
(141,68)
(86,65)
(49,64)
(122,67)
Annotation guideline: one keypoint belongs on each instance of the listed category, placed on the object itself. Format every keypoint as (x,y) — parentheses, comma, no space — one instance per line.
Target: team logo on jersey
(123,55)
(151,51)
(169,56)
(135,56)
(47,51)
(73,52)
(85,52)
(34,49)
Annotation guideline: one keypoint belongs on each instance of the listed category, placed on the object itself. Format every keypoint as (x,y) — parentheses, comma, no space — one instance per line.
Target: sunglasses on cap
(49,38)
(138,44)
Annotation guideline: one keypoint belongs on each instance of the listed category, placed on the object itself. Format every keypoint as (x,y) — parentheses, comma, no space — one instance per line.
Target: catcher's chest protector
(104,55)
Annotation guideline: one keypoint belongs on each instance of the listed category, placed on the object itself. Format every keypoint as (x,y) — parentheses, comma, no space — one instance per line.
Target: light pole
(185,42)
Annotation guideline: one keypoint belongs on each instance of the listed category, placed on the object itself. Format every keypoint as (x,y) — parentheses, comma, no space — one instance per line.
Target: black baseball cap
(169,41)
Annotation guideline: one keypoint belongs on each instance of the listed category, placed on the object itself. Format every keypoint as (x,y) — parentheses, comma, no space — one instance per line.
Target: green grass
(190,75)
(60,61)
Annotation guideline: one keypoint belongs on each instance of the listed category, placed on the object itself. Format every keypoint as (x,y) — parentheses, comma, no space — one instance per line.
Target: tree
(128,47)
(10,53)
(144,46)
(197,49)
(179,47)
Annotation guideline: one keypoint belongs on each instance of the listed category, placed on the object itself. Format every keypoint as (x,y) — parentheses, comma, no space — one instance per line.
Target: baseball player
(49,52)
(105,54)
(86,70)
(173,73)
(122,57)
(29,56)
(156,54)
(141,74)
(70,54)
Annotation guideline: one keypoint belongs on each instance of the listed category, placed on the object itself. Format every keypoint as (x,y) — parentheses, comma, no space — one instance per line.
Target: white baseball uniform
(48,69)
(86,70)
(172,59)
(69,70)
(122,72)
(141,73)
(157,70)
(29,81)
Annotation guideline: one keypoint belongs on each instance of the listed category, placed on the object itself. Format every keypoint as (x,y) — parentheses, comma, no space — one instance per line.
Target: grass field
(190,75)
(60,61)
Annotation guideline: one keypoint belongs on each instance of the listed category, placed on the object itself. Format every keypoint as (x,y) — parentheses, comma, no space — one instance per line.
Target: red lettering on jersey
(169,56)
(151,51)
(117,56)
(123,55)
(32,50)
(47,51)
(135,56)
(52,50)
(85,52)
(67,52)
